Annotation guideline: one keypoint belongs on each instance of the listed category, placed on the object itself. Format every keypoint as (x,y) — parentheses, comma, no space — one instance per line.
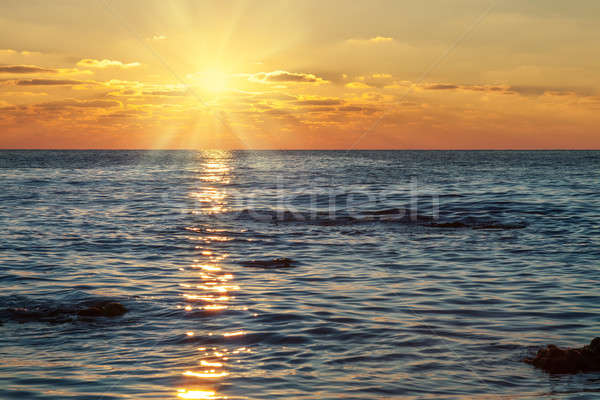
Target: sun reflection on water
(212,290)
(197,394)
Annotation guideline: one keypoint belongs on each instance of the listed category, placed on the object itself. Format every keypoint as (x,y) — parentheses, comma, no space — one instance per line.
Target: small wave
(478,225)
(387,211)
(280,262)
(264,337)
(326,218)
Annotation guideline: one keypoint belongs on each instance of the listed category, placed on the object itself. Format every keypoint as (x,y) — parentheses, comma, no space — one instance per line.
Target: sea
(296,274)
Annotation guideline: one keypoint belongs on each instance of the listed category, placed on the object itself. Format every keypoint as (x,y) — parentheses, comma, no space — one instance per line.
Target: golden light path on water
(215,288)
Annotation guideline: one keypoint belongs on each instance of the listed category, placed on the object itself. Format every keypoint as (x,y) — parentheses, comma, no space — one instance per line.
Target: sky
(461,74)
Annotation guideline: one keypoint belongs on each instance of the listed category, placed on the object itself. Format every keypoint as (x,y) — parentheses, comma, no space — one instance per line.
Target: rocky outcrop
(103,309)
(64,313)
(281,262)
(555,360)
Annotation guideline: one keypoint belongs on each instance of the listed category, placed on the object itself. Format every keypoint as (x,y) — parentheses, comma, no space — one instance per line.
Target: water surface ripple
(296,275)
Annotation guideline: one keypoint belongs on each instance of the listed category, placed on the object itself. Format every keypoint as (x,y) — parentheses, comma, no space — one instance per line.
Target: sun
(213,80)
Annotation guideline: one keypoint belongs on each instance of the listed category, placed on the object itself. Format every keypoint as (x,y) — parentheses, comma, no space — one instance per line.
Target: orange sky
(300,75)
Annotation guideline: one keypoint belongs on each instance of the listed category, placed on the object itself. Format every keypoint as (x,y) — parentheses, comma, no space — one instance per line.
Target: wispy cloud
(357,85)
(376,80)
(350,108)
(158,37)
(441,86)
(284,76)
(105,63)
(475,88)
(49,82)
(10,52)
(523,90)
(25,69)
(373,40)
(61,104)
(167,93)
(319,102)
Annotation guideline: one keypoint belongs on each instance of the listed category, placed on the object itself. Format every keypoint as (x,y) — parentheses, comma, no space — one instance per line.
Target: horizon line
(300,149)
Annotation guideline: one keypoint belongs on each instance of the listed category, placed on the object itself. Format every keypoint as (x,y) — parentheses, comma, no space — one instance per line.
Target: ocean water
(410,274)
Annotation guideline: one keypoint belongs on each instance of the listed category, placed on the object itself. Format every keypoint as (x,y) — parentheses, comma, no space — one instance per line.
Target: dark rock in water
(448,225)
(39,314)
(281,262)
(103,309)
(555,360)
(504,227)
(62,314)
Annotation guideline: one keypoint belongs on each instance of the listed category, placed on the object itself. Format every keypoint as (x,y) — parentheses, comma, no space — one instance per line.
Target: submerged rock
(37,314)
(64,313)
(555,360)
(103,309)
(280,262)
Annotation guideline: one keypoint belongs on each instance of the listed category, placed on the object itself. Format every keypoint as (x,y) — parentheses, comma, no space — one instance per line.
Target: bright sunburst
(213,80)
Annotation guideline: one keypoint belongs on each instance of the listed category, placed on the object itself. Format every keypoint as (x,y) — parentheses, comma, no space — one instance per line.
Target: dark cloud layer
(319,102)
(25,69)
(80,104)
(523,90)
(48,82)
(350,108)
(529,90)
(442,87)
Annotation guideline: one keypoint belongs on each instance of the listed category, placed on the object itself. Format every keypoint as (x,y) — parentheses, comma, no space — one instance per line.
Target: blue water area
(297,274)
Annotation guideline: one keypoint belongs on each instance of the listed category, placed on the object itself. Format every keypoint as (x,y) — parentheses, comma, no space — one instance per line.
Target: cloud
(48,82)
(350,108)
(319,102)
(476,88)
(8,52)
(357,85)
(35,69)
(25,69)
(486,88)
(158,37)
(381,39)
(70,110)
(167,93)
(523,90)
(373,40)
(284,76)
(377,80)
(120,116)
(23,93)
(321,109)
(532,90)
(61,104)
(441,86)
(527,90)
(105,63)
(96,104)
(274,96)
